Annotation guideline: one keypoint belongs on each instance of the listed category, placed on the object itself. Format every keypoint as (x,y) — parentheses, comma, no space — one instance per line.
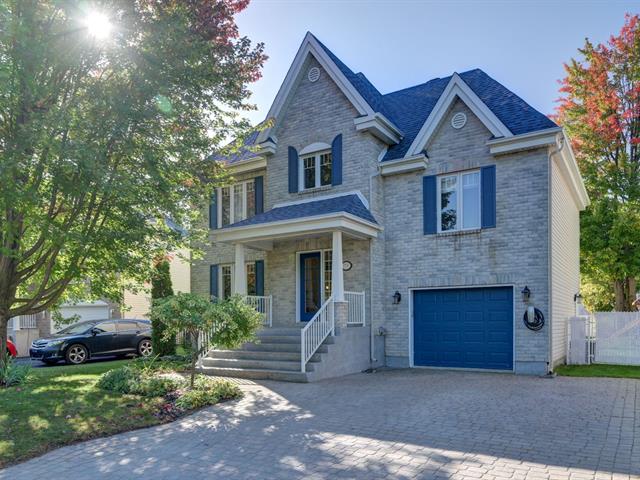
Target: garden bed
(63,405)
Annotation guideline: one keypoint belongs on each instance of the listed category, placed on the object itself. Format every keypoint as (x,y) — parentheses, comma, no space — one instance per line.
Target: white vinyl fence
(604,337)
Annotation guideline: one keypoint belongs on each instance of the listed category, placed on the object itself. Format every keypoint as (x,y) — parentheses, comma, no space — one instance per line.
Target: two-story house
(411,229)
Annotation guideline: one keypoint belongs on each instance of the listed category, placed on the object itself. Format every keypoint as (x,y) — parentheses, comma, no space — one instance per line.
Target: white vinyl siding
(565,260)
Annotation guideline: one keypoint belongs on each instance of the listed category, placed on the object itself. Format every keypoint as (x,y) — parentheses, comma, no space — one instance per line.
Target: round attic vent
(459,120)
(314,74)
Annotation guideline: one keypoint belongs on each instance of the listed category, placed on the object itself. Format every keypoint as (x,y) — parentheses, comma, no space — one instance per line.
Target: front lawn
(614,371)
(62,405)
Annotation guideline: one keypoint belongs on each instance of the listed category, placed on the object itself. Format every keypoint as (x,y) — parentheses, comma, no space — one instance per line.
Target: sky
(398,44)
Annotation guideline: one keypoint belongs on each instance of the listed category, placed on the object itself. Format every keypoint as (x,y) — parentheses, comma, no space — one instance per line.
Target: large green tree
(600,108)
(108,109)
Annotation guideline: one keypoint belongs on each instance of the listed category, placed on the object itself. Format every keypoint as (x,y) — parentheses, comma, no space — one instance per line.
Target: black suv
(81,341)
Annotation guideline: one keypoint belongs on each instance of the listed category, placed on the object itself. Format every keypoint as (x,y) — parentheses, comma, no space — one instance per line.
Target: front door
(310,287)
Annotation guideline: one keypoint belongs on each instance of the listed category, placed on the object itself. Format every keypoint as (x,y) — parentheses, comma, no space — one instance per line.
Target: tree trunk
(618,288)
(632,290)
(4,325)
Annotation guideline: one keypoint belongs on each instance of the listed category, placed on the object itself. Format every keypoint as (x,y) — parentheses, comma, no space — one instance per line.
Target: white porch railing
(263,306)
(356,309)
(316,331)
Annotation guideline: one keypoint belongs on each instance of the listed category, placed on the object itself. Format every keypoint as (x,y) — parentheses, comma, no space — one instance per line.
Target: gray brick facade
(401,258)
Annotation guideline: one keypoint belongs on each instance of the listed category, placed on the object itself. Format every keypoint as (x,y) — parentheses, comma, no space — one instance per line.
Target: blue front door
(463,328)
(310,288)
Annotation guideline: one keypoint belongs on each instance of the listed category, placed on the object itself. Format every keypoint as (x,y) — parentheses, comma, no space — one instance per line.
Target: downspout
(372,357)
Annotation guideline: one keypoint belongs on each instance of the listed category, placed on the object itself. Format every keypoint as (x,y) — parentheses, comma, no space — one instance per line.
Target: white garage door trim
(450,287)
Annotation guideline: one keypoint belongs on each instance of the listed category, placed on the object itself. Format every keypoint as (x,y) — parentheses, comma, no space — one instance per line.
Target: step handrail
(316,331)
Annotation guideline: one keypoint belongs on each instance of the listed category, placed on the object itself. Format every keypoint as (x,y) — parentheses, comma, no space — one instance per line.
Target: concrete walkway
(396,424)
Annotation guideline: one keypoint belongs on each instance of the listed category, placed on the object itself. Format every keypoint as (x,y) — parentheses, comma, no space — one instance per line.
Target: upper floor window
(237,202)
(315,170)
(459,201)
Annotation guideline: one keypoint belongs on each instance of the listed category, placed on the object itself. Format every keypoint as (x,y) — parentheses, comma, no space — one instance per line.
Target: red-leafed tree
(600,109)
(108,111)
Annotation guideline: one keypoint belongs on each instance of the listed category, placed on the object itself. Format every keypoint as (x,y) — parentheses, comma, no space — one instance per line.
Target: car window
(127,326)
(77,328)
(106,327)
(143,326)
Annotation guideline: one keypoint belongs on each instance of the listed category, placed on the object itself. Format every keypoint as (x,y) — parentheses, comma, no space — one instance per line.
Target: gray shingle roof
(347,203)
(409,108)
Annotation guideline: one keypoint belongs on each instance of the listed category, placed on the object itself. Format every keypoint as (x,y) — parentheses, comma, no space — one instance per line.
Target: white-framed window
(237,202)
(459,201)
(327,260)
(251,278)
(227,277)
(226,281)
(315,170)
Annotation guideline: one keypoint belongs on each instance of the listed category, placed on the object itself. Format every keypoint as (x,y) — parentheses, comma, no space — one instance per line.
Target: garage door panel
(465,328)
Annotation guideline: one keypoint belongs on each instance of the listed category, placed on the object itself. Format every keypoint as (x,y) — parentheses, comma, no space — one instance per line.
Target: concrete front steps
(276,356)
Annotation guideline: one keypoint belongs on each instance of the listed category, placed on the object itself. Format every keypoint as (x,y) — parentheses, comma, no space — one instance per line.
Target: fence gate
(605,337)
(617,338)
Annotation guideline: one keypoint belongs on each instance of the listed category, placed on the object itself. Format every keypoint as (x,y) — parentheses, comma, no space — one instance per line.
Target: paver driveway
(394,424)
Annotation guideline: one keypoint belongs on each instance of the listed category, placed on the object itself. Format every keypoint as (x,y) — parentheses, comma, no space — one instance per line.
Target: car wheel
(145,349)
(76,354)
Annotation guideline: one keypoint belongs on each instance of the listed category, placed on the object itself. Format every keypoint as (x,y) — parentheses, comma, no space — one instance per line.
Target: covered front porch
(315,271)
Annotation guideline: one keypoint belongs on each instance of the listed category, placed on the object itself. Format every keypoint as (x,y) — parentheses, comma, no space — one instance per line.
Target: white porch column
(240,277)
(337,276)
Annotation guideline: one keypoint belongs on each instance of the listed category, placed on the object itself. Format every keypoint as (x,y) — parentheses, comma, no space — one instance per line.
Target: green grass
(62,405)
(614,371)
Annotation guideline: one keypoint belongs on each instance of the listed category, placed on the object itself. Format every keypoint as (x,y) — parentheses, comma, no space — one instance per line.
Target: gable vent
(459,120)
(314,74)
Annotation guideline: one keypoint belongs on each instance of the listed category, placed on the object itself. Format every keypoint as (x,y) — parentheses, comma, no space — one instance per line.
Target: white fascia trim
(255,163)
(267,147)
(569,168)
(379,126)
(526,141)
(342,221)
(457,88)
(314,147)
(364,201)
(311,46)
(404,165)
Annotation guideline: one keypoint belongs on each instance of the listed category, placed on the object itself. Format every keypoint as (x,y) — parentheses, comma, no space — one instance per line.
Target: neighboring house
(135,304)
(441,202)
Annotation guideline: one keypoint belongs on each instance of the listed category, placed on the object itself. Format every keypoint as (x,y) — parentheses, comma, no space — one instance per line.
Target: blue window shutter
(488,185)
(293,170)
(336,160)
(260,277)
(213,210)
(430,205)
(213,281)
(258,190)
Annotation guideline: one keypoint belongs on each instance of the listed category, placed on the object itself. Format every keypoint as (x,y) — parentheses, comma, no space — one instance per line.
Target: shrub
(228,323)
(119,380)
(207,391)
(157,385)
(161,288)
(11,373)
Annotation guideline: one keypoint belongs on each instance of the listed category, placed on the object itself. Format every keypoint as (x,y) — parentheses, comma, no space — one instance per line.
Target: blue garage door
(463,328)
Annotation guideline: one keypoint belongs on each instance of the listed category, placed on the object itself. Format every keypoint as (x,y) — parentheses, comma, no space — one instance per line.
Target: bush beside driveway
(394,424)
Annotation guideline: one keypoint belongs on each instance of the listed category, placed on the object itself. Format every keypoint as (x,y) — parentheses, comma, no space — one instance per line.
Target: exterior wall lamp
(397,297)
(526,294)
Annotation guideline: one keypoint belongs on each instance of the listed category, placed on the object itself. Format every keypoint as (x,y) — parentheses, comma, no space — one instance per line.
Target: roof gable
(311,46)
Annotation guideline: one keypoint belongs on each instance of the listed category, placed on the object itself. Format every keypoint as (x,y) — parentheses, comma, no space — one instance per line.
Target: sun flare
(98,25)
